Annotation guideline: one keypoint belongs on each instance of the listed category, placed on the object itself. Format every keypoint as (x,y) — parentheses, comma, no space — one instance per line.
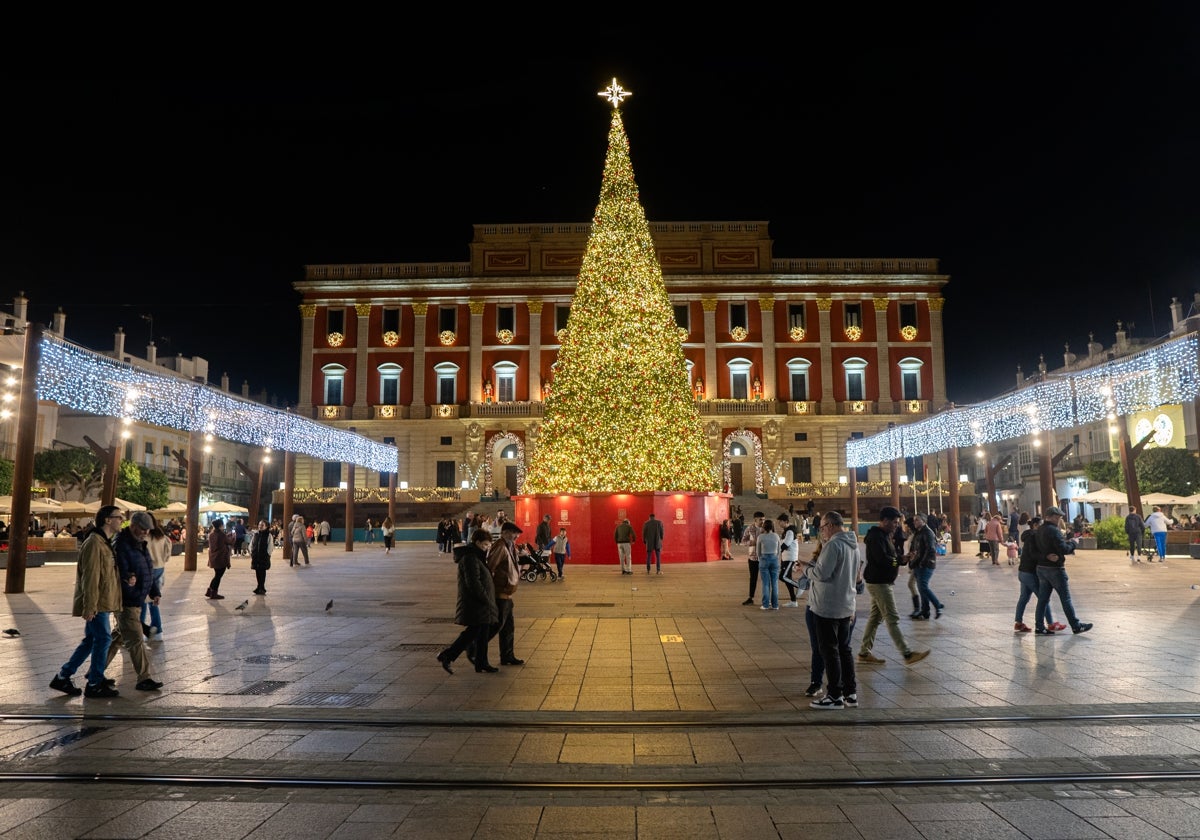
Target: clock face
(1164,430)
(1142,429)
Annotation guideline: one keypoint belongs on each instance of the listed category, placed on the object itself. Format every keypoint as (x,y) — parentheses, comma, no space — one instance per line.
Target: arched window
(739,378)
(798,379)
(447,383)
(505,374)
(335,383)
(855,369)
(910,378)
(389,384)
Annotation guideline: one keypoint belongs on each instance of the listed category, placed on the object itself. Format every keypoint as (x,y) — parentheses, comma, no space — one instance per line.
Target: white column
(712,378)
(417,410)
(308,314)
(936,337)
(828,406)
(475,374)
(360,409)
(881,346)
(535,349)
(766,308)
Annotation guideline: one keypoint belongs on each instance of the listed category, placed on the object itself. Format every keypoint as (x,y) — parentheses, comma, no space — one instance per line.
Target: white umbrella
(35,505)
(1164,499)
(127,507)
(225,507)
(1105,496)
(173,509)
(73,509)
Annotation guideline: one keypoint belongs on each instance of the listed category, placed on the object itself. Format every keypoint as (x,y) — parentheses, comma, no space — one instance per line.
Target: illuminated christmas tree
(620,416)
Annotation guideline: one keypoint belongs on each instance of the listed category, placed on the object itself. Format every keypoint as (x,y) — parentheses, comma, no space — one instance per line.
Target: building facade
(787,358)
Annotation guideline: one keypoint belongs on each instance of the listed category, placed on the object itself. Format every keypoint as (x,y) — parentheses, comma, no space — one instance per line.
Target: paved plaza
(649,706)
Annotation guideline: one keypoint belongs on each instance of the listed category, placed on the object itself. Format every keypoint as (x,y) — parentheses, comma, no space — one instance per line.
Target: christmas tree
(620,416)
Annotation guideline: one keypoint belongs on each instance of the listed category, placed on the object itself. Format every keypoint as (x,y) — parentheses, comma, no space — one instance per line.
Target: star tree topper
(614,93)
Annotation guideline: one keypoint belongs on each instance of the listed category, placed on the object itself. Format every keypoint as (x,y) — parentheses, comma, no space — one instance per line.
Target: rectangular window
(854,385)
(446,388)
(562,312)
(911,385)
(384,480)
(337,321)
(739,385)
(333,390)
(129,450)
(149,457)
(799,382)
(860,473)
(801,470)
(445,474)
(166,458)
(445,440)
(331,474)
(908,315)
(389,390)
(506,387)
(681,315)
(448,319)
(737,316)
(800,437)
(391,319)
(506,318)
(796,315)
(853,314)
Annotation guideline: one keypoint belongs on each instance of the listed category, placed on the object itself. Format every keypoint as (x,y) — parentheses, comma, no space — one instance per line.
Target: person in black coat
(137,584)
(260,556)
(476,611)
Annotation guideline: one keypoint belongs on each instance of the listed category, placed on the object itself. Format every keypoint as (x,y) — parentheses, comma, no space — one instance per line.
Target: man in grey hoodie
(831,598)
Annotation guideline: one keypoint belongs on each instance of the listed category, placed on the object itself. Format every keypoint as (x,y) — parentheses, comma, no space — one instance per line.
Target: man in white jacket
(832,578)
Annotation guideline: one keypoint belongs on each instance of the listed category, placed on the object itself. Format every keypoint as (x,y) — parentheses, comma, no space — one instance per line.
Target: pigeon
(243,605)
(13,632)
(329,606)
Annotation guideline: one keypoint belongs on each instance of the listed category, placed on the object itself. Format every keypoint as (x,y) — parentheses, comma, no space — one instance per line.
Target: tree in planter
(68,469)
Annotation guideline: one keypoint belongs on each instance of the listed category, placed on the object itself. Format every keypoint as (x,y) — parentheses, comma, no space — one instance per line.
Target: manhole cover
(332,700)
(262,687)
(268,658)
(413,648)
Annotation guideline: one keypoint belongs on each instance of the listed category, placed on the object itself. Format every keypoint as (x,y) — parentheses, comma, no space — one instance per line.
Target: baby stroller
(533,565)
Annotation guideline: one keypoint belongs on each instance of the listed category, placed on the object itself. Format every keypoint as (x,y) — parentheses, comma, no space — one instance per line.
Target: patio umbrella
(173,509)
(225,507)
(127,507)
(1104,496)
(1164,499)
(35,505)
(72,509)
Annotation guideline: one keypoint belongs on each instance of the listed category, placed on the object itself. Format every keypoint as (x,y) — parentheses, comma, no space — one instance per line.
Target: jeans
(1053,578)
(559,559)
(927,596)
(1160,543)
(768,569)
(883,610)
(817,663)
(833,638)
(97,637)
(297,548)
(152,608)
(656,554)
(1029,586)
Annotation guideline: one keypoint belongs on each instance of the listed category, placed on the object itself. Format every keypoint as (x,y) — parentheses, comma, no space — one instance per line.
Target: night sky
(1051,165)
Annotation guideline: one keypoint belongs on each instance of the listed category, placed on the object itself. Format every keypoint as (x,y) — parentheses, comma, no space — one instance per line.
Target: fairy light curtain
(1163,374)
(87,381)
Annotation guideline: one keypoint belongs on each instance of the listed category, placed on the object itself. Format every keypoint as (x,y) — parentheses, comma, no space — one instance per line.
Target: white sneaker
(827,702)
(851,700)
(764,608)
(790,604)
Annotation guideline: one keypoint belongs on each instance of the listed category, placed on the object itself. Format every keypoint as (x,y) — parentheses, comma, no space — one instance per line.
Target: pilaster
(712,382)
(828,406)
(360,408)
(936,337)
(766,307)
(417,410)
(535,349)
(881,355)
(308,314)
(475,374)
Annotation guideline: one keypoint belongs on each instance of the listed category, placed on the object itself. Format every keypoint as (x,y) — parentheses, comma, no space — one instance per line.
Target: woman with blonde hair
(388,531)
(158,544)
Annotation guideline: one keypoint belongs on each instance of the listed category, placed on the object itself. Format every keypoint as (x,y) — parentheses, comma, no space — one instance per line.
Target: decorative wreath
(505,336)
(854,333)
(738,333)
(391,338)
(335,339)
(797,333)
(908,333)
(447,337)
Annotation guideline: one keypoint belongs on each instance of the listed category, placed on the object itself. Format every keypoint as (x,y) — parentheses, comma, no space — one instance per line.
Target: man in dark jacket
(476,609)
(923,554)
(543,536)
(1135,530)
(1052,573)
(137,583)
(502,560)
(879,575)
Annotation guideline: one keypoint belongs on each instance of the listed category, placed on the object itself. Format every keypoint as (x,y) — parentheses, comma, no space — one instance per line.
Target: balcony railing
(506,409)
(803,407)
(389,412)
(858,407)
(330,412)
(737,406)
(911,406)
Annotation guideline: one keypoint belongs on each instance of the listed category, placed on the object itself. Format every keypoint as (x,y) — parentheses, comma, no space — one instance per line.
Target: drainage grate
(439,621)
(398,604)
(414,648)
(261,687)
(268,658)
(333,700)
(597,604)
(53,743)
